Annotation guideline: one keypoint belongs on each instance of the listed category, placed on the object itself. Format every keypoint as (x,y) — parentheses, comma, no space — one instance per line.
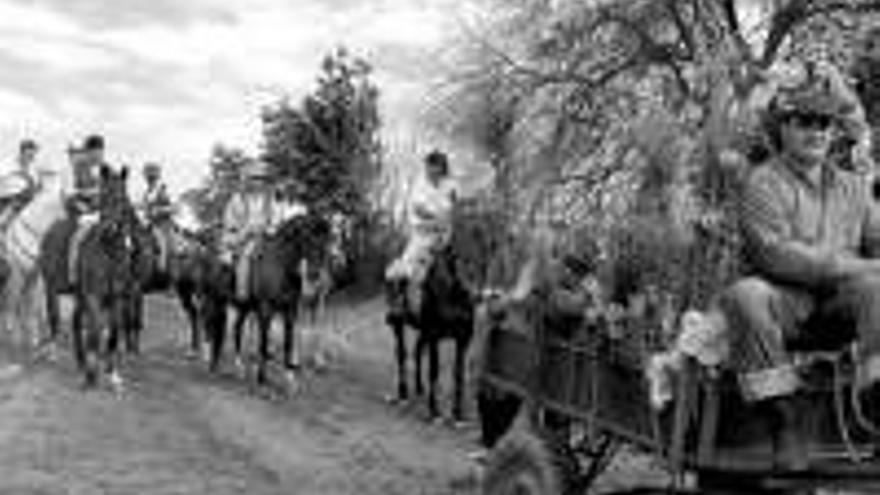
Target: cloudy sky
(166,79)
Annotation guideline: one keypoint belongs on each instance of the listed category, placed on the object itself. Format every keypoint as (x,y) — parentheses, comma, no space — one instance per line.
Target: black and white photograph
(440,247)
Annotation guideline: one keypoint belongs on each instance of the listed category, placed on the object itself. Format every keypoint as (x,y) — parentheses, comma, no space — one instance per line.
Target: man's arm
(871,226)
(770,246)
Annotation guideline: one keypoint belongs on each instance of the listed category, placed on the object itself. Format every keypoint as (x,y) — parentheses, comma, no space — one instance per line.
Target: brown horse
(447,312)
(189,274)
(275,287)
(106,280)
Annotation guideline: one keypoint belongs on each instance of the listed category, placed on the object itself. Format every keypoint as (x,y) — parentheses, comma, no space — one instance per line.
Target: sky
(165,80)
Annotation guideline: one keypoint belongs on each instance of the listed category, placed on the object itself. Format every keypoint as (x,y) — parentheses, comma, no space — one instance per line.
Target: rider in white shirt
(430,221)
(248,215)
(18,186)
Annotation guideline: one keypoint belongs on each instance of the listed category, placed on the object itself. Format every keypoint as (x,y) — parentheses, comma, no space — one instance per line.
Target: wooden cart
(580,397)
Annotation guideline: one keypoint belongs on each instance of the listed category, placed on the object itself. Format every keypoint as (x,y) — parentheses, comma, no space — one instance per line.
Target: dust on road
(180,430)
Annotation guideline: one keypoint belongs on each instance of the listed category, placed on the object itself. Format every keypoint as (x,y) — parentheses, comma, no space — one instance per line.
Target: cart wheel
(524,463)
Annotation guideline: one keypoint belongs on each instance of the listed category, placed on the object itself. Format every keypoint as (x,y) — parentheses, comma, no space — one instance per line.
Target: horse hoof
(90,381)
(117,384)
(239,367)
(52,353)
(397,400)
(292,381)
(206,354)
(437,420)
(458,424)
(478,457)
(321,364)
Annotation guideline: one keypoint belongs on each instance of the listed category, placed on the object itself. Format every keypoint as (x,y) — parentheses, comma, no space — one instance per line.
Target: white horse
(22,302)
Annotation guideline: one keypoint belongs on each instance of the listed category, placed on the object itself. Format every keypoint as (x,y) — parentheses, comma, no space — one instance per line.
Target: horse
(275,287)
(23,285)
(187,274)
(107,284)
(447,312)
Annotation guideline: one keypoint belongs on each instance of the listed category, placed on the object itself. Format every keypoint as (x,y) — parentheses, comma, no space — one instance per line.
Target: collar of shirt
(824,179)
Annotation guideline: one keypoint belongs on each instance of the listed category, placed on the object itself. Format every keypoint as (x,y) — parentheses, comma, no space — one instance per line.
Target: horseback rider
(431,206)
(248,215)
(83,198)
(810,231)
(18,187)
(157,210)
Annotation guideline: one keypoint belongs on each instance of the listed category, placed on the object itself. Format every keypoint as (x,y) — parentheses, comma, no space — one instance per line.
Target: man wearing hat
(157,210)
(247,216)
(83,198)
(17,188)
(808,224)
(431,205)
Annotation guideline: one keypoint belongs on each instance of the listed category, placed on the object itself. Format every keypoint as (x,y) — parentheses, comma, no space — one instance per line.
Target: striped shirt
(795,229)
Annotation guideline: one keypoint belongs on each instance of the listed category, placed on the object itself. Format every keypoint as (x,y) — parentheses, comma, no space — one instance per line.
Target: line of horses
(118,265)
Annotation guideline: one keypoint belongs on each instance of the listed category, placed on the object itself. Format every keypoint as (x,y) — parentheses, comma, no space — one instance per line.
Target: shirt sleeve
(769,241)
(233,216)
(871,225)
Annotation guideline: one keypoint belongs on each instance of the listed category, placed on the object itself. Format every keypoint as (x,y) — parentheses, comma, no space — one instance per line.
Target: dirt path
(179,430)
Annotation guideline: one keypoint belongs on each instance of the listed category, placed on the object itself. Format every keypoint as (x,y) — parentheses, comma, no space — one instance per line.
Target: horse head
(443,279)
(117,217)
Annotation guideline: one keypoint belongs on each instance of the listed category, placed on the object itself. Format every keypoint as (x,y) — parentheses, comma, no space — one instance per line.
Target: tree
(330,142)
(638,98)
(327,149)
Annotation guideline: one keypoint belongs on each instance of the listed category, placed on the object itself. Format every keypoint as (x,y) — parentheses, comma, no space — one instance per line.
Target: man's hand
(423,213)
(848,266)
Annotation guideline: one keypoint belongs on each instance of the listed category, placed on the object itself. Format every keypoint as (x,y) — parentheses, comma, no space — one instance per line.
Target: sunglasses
(810,121)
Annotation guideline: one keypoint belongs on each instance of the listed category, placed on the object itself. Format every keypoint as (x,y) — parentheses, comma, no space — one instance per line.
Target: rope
(861,419)
(840,412)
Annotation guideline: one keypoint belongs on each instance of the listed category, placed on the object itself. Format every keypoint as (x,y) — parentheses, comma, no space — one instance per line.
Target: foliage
(638,101)
(328,144)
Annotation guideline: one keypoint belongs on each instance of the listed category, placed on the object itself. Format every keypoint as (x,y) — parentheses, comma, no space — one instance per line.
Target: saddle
(243,266)
(83,224)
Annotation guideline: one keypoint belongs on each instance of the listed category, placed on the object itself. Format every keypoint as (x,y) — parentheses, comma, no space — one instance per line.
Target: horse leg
(77,331)
(419,355)
(134,324)
(186,294)
(400,351)
(238,330)
(291,348)
(433,373)
(264,321)
(458,379)
(94,326)
(291,341)
(50,297)
(214,319)
(119,312)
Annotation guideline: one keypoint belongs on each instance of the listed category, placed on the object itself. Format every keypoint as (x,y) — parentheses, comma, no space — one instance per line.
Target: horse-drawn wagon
(567,403)
(562,404)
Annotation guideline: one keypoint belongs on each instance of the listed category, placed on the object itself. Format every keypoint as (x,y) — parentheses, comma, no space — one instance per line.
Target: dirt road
(180,430)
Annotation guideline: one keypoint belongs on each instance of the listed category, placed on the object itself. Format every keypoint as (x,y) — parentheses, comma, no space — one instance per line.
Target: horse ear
(124,173)
(105,172)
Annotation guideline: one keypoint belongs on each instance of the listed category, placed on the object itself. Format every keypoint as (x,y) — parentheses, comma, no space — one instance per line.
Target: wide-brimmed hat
(93,142)
(815,89)
(28,144)
(256,171)
(152,169)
